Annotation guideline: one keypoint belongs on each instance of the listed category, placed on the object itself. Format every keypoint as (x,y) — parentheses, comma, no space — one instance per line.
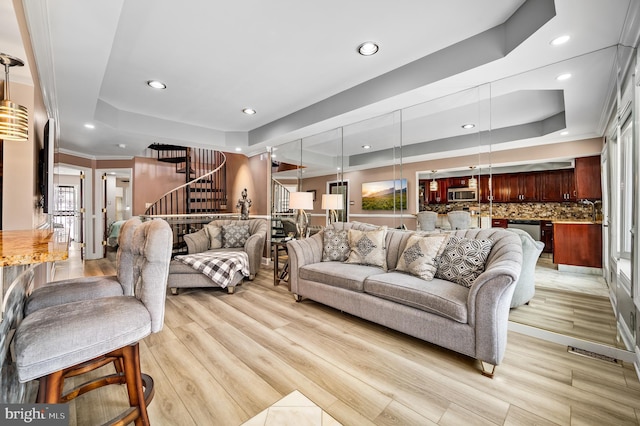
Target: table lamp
(332,202)
(300,201)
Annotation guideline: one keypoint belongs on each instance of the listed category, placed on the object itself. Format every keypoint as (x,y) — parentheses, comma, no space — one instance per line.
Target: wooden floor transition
(223,358)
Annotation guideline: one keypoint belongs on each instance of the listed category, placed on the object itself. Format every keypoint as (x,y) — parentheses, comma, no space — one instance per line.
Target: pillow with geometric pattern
(463,260)
(234,236)
(335,245)
(420,256)
(368,247)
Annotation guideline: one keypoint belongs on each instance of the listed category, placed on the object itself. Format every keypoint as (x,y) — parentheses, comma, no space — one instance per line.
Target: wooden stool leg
(52,387)
(131,357)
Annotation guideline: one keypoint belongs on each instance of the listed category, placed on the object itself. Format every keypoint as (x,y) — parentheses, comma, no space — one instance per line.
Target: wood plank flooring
(223,358)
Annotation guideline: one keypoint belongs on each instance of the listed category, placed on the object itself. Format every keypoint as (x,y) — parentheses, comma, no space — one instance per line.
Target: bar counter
(32,246)
(26,259)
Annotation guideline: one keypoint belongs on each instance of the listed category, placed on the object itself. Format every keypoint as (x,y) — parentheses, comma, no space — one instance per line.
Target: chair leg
(131,358)
(52,387)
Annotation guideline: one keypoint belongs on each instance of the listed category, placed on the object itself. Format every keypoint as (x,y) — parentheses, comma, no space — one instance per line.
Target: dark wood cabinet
(500,188)
(523,187)
(499,223)
(458,182)
(558,186)
(546,235)
(484,191)
(588,178)
(578,244)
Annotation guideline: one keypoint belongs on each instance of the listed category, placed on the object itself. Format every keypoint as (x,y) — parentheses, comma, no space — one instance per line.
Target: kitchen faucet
(593,208)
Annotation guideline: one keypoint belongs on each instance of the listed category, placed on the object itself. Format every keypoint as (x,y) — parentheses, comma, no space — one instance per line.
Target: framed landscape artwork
(385,195)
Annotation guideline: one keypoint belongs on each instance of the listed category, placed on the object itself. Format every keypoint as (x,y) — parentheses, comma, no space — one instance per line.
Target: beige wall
(151,180)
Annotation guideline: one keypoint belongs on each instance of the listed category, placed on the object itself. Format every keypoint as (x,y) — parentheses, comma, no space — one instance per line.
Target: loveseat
(470,320)
(212,239)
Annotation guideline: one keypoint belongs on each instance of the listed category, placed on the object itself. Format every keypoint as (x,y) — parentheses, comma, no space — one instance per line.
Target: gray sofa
(184,276)
(472,321)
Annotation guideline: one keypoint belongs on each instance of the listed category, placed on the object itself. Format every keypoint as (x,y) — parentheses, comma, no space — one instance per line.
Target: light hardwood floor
(221,359)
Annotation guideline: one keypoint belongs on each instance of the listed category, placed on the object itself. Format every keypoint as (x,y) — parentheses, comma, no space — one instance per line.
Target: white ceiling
(296,64)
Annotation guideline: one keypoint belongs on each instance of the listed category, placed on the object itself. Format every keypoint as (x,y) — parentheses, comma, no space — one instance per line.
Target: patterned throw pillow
(367,247)
(463,260)
(234,236)
(420,256)
(215,236)
(335,245)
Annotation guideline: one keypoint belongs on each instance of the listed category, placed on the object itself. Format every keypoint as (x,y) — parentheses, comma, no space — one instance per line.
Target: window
(626,189)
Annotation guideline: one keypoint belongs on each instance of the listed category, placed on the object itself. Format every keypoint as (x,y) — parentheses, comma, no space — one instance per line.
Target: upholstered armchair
(526,284)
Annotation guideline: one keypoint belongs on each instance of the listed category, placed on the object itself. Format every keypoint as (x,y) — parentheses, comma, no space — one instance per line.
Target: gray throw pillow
(368,247)
(463,260)
(335,245)
(234,236)
(420,256)
(215,236)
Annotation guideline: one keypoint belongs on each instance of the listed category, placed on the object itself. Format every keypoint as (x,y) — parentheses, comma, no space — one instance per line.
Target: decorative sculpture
(243,204)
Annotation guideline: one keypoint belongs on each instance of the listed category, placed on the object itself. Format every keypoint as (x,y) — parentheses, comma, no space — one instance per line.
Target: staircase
(205,187)
(203,194)
(279,209)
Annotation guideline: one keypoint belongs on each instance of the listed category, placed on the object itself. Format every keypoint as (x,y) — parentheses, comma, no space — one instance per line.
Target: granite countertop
(32,246)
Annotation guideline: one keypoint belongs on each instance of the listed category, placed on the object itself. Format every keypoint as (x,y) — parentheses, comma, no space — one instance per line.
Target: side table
(276,247)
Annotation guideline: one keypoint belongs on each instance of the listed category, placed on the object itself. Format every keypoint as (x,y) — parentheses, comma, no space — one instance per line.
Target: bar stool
(459,219)
(427,221)
(86,288)
(86,334)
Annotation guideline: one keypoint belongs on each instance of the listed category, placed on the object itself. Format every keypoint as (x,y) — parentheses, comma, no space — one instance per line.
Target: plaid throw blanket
(221,267)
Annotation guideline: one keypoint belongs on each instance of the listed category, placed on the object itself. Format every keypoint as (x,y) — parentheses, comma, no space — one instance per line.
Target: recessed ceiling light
(366,146)
(156,84)
(368,48)
(565,133)
(468,126)
(249,111)
(560,40)
(238,149)
(563,77)
(89,126)
(121,145)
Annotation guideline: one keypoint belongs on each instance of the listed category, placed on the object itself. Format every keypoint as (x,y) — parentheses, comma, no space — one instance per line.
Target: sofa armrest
(254,246)
(489,303)
(303,252)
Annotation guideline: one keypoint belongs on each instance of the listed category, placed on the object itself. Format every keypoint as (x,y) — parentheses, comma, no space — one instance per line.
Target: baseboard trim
(610,351)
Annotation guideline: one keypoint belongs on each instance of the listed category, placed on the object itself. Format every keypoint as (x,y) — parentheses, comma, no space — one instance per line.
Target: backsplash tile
(541,211)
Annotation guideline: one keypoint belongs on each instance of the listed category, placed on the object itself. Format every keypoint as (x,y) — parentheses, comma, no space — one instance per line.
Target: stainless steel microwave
(462,194)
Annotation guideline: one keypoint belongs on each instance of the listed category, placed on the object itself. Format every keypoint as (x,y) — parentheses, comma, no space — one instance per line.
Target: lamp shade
(14,118)
(301,200)
(332,202)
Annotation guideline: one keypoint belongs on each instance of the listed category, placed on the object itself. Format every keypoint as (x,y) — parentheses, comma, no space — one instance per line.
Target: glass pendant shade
(433,186)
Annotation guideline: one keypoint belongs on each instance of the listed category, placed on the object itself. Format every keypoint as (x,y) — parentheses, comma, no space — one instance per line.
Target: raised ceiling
(296,64)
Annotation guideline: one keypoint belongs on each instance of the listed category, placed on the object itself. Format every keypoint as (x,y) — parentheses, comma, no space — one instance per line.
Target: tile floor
(294,409)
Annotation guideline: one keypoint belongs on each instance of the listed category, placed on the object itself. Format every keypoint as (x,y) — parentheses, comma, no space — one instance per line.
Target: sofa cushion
(438,296)
(463,260)
(368,247)
(197,241)
(215,236)
(338,274)
(234,236)
(421,254)
(335,245)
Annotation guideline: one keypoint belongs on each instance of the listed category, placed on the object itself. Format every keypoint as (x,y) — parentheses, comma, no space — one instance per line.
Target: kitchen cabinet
(499,223)
(458,182)
(484,192)
(588,179)
(500,188)
(558,186)
(578,244)
(523,187)
(546,235)
(439,196)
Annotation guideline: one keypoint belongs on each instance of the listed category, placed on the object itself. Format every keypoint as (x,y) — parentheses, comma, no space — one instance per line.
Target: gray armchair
(526,284)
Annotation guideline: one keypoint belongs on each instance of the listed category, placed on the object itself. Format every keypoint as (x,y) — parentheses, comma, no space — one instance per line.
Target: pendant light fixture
(433,185)
(473,182)
(14,118)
